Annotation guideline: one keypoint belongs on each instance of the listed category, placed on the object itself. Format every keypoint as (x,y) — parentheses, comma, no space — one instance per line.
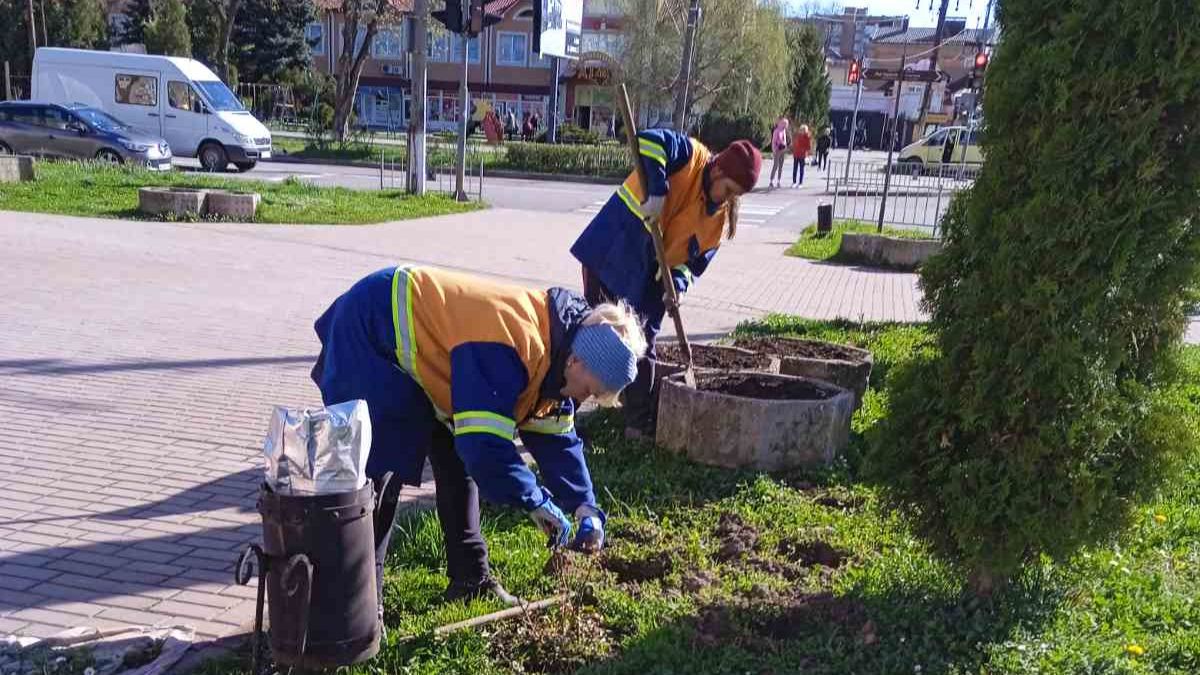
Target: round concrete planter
(847,367)
(16,168)
(754,420)
(161,201)
(231,205)
(707,359)
(883,251)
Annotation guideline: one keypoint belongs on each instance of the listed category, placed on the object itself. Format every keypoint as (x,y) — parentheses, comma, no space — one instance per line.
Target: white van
(178,99)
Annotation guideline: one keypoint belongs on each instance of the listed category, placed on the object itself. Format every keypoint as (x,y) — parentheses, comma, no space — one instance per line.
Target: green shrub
(1060,296)
(717,131)
(579,160)
(572,134)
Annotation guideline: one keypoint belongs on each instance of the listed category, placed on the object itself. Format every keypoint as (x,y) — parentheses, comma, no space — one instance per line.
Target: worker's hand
(553,522)
(682,281)
(591,529)
(653,206)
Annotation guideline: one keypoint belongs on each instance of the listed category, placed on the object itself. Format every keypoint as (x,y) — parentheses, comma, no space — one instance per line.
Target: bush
(717,131)
(1059,298)
(579,160)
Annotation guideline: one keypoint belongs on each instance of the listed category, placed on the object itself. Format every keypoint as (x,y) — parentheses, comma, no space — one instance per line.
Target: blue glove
(591,529)
(552,521)
(682,282)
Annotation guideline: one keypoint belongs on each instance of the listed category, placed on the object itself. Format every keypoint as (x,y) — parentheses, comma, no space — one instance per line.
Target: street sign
(558,28)
(894,74)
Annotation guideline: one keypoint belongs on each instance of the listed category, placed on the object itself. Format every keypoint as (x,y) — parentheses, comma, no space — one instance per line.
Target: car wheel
(243,167)
(914,165)
(109,157)
(5,149)
(213,157)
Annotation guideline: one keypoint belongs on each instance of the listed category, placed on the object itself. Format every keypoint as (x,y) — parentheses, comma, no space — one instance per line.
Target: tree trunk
(349,71)
(227,34)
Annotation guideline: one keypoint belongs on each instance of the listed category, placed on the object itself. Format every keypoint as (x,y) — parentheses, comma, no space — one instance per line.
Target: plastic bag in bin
(318,451)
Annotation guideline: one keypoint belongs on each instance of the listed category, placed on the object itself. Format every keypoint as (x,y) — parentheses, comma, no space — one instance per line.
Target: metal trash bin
(318,563)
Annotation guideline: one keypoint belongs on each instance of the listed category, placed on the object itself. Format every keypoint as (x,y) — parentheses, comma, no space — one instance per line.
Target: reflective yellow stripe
(483,422)
(653,150)
(632,202)
(403,323)
(550,425)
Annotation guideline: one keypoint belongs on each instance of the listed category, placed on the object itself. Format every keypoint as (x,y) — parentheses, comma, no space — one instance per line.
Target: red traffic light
(981,60)
(854,73)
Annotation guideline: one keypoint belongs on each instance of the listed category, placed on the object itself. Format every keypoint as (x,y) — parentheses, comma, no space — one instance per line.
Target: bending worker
(693,195)
(452,367)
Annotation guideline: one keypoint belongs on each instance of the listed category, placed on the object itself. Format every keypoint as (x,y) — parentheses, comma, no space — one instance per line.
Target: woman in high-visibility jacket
(693,195)
(452,367)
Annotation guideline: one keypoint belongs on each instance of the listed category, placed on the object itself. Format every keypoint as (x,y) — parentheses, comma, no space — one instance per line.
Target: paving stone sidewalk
(141,361)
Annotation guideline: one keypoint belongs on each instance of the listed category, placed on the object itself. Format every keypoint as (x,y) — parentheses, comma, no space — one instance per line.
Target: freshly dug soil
(751,386)
(809,553)
(704,356)
(637,570)
(805,349)
(736,535)
(561,640)
(756,622)
(799,616)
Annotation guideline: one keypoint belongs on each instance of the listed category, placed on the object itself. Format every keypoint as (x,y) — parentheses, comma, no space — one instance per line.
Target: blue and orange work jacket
(617,246)
(483,358)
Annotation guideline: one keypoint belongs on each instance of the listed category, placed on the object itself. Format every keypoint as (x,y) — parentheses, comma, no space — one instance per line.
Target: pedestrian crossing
(749,213)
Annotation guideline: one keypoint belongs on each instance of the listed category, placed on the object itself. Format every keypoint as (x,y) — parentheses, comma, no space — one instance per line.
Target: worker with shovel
(692,193)
(452,367)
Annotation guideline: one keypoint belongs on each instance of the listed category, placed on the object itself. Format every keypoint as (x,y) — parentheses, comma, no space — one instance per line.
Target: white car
(178,99)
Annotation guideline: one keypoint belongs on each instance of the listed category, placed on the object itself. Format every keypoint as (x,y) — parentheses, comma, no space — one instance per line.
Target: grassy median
(79,189)
(715,571)
(814,245)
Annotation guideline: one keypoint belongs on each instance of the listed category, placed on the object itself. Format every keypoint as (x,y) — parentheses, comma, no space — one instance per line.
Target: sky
(926,16)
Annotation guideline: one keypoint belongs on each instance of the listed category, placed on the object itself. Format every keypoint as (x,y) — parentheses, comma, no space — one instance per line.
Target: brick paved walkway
(141,360)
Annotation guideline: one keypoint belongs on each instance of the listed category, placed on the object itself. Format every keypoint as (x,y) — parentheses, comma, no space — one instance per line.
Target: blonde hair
(628,327)
(804,129)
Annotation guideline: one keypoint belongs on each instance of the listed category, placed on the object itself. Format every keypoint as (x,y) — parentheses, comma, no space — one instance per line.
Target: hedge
(580,160)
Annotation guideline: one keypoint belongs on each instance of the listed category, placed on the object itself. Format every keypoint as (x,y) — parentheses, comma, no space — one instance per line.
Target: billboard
(559,28)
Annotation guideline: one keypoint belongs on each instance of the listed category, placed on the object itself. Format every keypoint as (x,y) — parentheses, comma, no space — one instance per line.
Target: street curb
(497,173)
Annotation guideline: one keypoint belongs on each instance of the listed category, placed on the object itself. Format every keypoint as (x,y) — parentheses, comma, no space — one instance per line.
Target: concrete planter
(754,420)
(164,201)
(877,249)
(847,367)
(16,168)
(707,359)
(231,205)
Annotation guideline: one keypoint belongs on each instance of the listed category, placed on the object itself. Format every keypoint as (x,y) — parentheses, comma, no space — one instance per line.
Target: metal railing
(916,198)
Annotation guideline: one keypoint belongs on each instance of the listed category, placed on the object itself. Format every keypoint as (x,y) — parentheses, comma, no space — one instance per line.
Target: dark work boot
(480,588)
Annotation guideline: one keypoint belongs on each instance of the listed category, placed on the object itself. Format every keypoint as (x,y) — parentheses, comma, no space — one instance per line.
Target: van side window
(137,90)
(23,115)
(55,118)
(181,96)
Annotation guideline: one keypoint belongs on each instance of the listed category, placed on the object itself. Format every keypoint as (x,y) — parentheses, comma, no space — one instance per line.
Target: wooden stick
(664,271)
(500,615)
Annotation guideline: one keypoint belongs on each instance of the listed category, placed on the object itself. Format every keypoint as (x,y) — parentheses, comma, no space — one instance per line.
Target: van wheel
(243,167)
(5,149)
(109,157)
(213,157)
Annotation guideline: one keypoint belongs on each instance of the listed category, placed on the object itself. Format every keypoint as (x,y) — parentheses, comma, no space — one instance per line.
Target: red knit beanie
(741,161)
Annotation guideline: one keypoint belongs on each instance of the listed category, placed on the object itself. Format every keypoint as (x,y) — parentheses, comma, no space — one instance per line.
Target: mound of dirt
(630,569)
(809,553)
(760,620)
(559,641)
(717,358)
(804,349)
(737,537)
(765,387)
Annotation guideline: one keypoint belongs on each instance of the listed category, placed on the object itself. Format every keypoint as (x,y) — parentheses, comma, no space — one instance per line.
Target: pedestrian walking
(452,367)
(779,144)
(693,194)
(824,141)
(801,147)
(527,128)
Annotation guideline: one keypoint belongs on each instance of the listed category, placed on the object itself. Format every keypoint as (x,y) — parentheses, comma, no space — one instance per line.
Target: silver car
(77,132)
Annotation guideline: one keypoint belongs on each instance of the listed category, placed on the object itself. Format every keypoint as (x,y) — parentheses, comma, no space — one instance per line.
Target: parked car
(948,145)
(77,132)
(178,99)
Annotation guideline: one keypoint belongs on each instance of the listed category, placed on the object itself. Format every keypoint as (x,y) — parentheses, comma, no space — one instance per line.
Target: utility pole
(32,35)
(685,67)
(552,113)
(933,60)
(417,114)
(887,169)
(464,106)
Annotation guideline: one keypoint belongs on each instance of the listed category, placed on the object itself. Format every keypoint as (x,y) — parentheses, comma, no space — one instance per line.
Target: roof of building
(499,7)
(919,35)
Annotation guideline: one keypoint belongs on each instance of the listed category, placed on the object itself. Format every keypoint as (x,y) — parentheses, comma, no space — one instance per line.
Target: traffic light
(854,74)
(452,16)
(981,61)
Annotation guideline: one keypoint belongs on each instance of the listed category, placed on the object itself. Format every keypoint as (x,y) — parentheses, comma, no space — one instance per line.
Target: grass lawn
(713,571)
(111,192)
(816,246)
